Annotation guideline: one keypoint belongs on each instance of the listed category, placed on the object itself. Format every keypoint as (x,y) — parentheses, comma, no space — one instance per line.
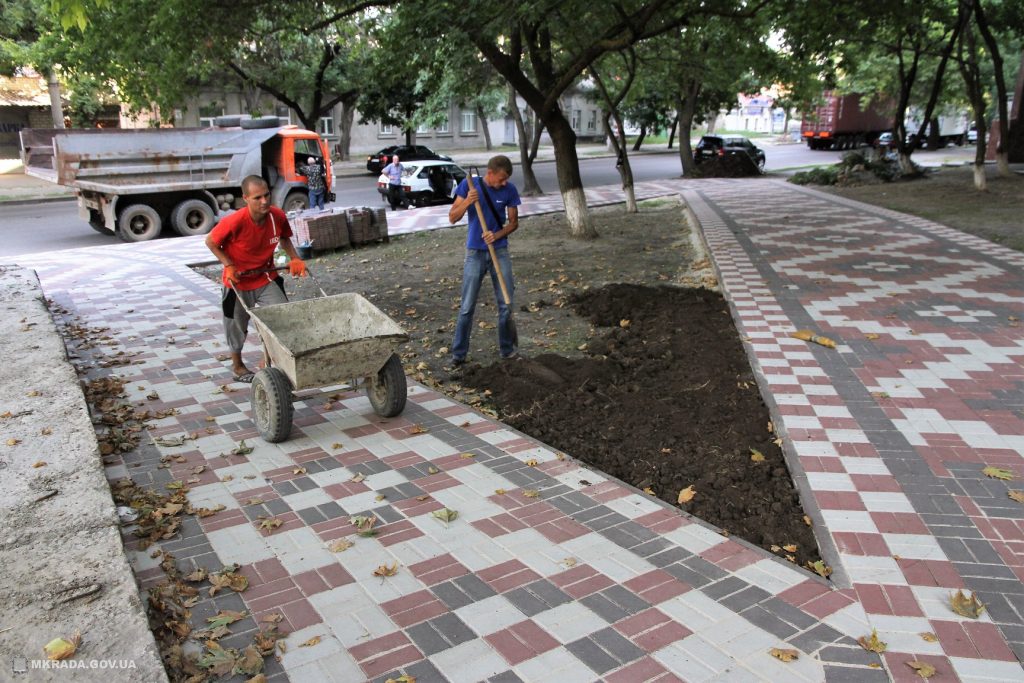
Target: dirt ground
(629,363)
(948,197)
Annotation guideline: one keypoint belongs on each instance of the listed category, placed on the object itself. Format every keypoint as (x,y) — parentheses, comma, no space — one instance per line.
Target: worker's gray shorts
(237,327)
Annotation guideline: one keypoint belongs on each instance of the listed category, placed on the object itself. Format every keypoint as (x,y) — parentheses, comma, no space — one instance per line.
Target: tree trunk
(686,105)
(618,141)
(1015,144)
(56,108)
(348,115)
(570,184)
(1002,158)
(482,118)
(530,188)
(640,138)
(971,73)
(672,131)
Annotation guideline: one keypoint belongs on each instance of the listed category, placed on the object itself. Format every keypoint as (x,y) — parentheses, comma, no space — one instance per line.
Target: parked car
(722,145)
(972,135)
(375,162)
(885,140)
(426,182)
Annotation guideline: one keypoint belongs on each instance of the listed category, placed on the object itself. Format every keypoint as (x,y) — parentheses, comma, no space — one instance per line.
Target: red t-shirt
(251,246)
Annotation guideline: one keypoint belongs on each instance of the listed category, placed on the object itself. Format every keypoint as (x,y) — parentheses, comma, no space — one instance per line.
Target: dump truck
(841,123)
(133,182)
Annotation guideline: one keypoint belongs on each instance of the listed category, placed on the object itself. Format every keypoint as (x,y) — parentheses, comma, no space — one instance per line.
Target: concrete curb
(59,531)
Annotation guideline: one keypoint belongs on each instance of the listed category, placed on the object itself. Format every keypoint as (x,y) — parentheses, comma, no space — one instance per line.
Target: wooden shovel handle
(490,247)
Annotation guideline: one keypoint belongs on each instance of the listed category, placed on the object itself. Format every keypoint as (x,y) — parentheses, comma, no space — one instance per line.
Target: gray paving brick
(982,551)
(276,506)
(311,515)
(524,478)
(474,587)
(955,549)
(751,595)
(849,674)
(537,597)
(304,484)
(314,466)
(401,492)
(451,595)
(591,654)
(571,503)
(620,537)
(370,467)
(687,575)
(615,644)
(285,488)
(440,633)
(606,608)
(661,552)
(1004,586)
(699,564)
(811,640)
(626,599)
(422,671)
(835,654)
(1018,650)
(327,464)
(724,587)
(554,491)
(598,522)
(992,571)
(505,677)
(1000,609)
(769,622)
(788,613)
(331,510)
(638,531)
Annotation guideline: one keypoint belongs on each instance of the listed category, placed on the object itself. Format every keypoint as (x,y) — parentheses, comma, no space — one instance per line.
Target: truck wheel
(387,389)
(272,409)
(139,223)
(192,217)
(296,201)
(262,122)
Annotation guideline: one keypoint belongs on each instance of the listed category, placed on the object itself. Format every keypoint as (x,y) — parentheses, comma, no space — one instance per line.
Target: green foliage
(822,175)
(856,168)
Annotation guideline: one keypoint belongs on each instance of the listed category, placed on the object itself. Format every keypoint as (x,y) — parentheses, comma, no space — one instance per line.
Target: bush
(823,175)
(857,168)
(731,166)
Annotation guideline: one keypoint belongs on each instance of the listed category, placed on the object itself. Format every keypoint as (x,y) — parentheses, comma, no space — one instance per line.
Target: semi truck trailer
(841,123)
(133,182)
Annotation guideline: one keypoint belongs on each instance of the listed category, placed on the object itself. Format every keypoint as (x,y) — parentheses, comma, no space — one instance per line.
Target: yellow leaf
(872,644)
(1016,495)
(418,429)
(531,493)
(624,323)
(686,495)
(445,514)
(929,637)
(299,470)
(871,335)
(358,478)
(790,548)
(820,568)
(315,640)
(385,570)
(404,678)
(966,606)
(649,491)
(807,520)
(59,648)
(756,455)
(432,470)
(569,562)
(923,669)
(532,462)
(560,456)
(467,456)
(784,655)
(997,473)
(40,463)
(13,442)
(423,497)
(340,545)
(270,523)
(336,446)
(500,492)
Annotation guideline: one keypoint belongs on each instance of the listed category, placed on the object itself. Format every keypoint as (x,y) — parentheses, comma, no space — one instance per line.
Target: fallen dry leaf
(385,570)
(500,492)
(531,493)
(467,456)
(315,640)
(432,470)
(358,478)
(649,491)
(872,644)
(404,678)
(1016,495)
(997,473)
(446,515)
(241,449)
(820,568)
(756,455)
(871,335)
(13,442)
(784,654)
(624,323)
(270,523)
(340,545)
(686,495)
(418,429)
(966,606)
(929,637)
(61,648)
(532,462)
(39,463)
(923,669)
(790,547)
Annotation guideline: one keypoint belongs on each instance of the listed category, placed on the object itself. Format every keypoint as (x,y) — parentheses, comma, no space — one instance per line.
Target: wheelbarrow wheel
(272,409)
(387,389)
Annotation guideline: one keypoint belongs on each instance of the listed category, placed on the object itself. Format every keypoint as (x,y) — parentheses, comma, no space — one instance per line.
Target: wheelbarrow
(316,343)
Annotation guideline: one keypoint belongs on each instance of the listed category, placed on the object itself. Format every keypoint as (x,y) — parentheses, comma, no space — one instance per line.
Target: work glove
(297,268)
(231,274)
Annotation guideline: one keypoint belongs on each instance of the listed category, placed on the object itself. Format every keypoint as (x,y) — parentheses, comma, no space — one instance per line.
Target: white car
(427,182)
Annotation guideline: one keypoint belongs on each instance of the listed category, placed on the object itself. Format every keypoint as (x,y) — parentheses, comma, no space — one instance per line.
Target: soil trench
(664,399)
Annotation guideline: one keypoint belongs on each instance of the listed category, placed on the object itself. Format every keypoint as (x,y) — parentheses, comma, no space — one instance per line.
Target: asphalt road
(51,226)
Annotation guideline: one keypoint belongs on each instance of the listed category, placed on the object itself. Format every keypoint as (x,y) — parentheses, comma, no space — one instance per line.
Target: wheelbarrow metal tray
(320,342)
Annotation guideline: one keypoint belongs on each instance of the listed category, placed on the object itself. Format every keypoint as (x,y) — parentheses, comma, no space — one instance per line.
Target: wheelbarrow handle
(247,273)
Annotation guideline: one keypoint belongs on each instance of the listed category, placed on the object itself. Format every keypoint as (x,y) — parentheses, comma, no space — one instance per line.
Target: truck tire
(262,122)
(387,389)
(296,201)
(192,217)
(139,223)
(272,409)
(227,121)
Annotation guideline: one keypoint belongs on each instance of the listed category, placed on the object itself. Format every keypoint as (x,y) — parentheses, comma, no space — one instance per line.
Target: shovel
(510,325)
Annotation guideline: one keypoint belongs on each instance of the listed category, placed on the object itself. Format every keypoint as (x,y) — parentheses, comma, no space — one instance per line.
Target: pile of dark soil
(664,399)
(731,166)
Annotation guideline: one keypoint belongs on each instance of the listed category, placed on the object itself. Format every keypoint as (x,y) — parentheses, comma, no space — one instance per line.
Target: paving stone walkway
(589,579)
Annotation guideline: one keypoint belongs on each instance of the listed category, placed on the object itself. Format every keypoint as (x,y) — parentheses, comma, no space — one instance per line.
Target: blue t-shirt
(394,173)
(502,198)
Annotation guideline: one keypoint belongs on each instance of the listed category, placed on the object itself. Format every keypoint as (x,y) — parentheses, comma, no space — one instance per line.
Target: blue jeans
(316,199)
(478,263)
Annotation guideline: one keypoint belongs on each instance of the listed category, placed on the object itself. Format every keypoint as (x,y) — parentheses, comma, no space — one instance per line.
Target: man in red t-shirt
(245,241)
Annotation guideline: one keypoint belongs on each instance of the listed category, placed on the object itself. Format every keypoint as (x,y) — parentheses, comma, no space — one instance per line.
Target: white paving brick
(886,501)
(570,622)
(849,520)
(240,543)
(914,546)
(554,665)
(986,670)
(490,615)
(771,576)
(472,661)
(903,634)
(351,615)
(830,481)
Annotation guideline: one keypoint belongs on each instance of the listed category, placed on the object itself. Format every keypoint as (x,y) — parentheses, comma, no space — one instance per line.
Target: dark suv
(375,162)
(711,146)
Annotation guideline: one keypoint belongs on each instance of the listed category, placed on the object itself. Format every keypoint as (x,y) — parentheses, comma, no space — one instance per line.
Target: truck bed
(138,161)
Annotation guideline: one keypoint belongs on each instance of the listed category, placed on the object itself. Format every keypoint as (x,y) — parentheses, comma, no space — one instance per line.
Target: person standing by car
(396,196)
(315,182)
(500,197)
(245,241)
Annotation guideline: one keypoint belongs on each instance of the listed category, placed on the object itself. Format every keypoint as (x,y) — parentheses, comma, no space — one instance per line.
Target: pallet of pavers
(327,230)
(364,227)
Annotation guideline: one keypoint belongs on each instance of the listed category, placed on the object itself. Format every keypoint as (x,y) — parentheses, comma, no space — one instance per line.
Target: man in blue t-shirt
(502,217)
(396,195)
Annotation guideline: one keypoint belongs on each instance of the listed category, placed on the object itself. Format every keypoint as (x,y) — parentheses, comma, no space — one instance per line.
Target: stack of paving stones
(362,227)
(555,572)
